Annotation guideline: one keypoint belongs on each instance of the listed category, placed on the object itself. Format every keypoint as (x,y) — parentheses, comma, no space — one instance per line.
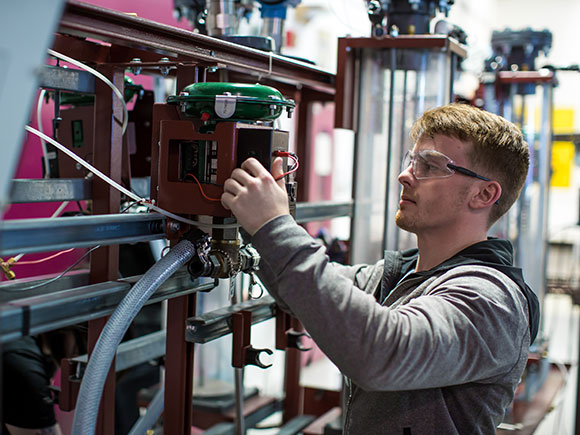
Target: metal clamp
(242,352)
(286,335)
(295,340)
(253,357)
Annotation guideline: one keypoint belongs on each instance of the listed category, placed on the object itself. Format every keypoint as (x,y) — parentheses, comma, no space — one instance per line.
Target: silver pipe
(221,17)
(274,28)
(388,222)
(239,424)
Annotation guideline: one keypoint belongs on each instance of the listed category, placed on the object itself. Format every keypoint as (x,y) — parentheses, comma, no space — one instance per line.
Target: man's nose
(406,176)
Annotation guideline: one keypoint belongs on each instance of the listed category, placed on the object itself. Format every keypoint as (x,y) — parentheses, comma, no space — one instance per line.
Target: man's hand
(254,196)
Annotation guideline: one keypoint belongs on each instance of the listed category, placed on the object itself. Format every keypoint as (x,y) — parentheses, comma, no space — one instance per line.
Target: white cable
(42,142)
(100,76)
(59,210)
(120,188)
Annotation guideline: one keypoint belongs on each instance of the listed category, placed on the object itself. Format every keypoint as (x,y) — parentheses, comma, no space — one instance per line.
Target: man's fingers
(241,176)
(232,186)
(254,167)
(278,171)
(226,198)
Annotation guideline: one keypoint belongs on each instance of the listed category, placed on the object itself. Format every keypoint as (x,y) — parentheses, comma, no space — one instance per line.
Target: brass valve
(7,267)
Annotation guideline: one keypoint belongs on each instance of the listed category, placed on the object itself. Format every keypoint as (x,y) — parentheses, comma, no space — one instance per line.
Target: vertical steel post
(239,423)
(387,224)
(104,263)
(177,415)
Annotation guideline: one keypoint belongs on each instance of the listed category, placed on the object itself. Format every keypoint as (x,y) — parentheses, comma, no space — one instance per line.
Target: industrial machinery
(221,19)
(516,89)
(383,84)
(408,17)
(209,140)
(202,135)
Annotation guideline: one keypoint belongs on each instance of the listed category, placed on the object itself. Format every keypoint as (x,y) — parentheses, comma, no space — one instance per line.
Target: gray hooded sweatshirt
(437,352)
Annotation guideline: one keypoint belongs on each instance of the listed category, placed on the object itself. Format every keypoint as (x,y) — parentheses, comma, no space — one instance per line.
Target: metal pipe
(388,224)
(221,17)
(239,377)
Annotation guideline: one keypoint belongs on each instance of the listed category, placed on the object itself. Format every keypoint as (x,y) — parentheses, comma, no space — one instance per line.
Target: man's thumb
(278,172)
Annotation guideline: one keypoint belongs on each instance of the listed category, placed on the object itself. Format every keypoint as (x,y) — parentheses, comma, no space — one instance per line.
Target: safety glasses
(433,164)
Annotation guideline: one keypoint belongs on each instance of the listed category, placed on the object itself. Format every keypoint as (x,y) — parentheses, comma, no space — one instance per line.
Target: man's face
(435,204)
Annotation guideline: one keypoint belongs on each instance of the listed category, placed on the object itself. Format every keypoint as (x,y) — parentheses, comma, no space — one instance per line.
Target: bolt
(164,70)
(136,69)
(174,227)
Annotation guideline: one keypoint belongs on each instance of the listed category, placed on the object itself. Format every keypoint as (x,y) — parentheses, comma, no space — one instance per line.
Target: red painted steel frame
(127,37)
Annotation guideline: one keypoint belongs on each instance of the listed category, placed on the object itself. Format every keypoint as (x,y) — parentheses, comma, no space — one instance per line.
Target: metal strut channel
(321,211)
(29,315)
(218,323)
(51,190)
(41,235)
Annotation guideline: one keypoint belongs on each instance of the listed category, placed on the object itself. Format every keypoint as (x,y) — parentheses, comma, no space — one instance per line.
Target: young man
(432,340)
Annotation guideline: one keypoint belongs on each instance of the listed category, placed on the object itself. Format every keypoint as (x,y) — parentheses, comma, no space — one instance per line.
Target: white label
(225,106)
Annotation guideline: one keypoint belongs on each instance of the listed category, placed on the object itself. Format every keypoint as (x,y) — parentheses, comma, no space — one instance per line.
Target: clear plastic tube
(100,76)
(42,142)
(120,188)
(91,390)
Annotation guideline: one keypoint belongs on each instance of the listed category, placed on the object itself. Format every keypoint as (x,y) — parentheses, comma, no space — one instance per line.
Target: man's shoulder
(485,280)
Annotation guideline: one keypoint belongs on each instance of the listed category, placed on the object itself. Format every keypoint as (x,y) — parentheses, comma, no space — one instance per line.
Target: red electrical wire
(293,157)
(201,189)
(42,260)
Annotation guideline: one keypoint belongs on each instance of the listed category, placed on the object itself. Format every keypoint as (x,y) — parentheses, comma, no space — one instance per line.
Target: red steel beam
(84,20)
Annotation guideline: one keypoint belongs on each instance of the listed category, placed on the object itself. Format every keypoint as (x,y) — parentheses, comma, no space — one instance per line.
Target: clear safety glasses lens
(428,164)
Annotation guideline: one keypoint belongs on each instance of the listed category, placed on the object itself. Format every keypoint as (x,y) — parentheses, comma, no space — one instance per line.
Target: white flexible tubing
(91,390)
(84,163)
(120,188)
(100,76)
(154,410)
(39,124)
(59,210)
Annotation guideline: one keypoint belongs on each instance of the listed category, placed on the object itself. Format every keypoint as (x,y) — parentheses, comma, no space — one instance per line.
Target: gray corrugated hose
(91,390)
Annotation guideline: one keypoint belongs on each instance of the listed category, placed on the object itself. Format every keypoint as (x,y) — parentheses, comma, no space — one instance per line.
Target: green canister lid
(231,102)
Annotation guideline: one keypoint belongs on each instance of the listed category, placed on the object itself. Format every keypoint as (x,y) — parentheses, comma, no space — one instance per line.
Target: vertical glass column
(396,86)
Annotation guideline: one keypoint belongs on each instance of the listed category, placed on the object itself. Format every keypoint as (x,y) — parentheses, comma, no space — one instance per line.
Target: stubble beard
(403,222)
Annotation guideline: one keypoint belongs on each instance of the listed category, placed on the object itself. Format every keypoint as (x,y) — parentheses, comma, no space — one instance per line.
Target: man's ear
(487,195)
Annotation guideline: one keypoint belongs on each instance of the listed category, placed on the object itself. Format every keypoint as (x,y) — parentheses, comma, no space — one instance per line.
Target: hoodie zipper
(347,415)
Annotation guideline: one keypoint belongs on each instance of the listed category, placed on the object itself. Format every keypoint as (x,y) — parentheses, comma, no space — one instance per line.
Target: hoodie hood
(495,253)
